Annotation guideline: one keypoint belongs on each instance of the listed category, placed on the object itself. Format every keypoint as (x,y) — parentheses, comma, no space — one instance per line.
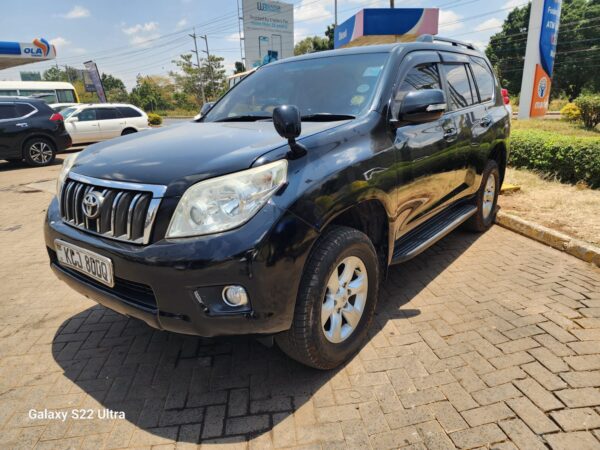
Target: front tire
(39,152)
(487,199)
(336,300)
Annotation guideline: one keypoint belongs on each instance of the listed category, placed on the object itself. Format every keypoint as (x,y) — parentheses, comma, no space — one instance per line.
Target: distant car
(58,107)
(31,131)
(88,123)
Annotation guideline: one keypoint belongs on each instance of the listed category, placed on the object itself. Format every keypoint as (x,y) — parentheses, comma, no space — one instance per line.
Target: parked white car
(96,122)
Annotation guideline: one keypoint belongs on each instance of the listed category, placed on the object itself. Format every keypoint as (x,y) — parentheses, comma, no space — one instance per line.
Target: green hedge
(569,158)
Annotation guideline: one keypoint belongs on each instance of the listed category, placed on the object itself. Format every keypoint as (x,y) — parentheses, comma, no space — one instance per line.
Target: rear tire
(336,300)
(39,152)
(486,199)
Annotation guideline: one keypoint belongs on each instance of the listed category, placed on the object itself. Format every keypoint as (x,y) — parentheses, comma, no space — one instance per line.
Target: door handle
(450,133)
(22,125)
(485,122)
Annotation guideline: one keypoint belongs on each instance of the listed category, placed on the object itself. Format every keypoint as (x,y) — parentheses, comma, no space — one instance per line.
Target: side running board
(428,233)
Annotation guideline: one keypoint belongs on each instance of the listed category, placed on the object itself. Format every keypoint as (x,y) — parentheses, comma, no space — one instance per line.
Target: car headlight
(64,172)
(226,202)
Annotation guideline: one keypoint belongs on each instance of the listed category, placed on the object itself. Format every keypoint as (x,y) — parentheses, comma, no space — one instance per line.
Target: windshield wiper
(326,117)
(243,118)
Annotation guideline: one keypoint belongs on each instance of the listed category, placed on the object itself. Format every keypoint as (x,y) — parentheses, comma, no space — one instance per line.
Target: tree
(311,44)
(114,89)
(151,93)
(188,80)
(316,43)
(213,72)
(578,49)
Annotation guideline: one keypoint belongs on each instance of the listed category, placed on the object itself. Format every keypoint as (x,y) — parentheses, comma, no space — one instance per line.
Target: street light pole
(210,68)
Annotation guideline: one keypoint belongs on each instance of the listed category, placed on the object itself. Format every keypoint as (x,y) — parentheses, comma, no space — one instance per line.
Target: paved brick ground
(483,341)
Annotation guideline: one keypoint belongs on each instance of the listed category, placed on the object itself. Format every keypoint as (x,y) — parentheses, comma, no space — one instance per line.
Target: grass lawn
(555,126)
(573,210)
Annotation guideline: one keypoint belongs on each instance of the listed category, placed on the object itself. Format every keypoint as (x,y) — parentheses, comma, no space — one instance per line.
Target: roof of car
(107,105)
(428,43)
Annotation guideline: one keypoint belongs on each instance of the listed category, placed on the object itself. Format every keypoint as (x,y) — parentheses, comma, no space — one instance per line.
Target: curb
(560,241)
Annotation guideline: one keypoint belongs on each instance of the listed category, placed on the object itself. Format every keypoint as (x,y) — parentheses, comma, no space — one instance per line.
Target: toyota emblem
(92,204)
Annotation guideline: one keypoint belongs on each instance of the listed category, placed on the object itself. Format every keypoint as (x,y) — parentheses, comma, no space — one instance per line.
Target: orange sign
(541,93)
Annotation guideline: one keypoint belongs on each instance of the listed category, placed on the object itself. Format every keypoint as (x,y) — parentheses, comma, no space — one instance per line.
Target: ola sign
(539,58)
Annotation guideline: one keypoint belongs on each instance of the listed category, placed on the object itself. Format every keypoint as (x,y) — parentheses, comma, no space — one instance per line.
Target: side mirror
(287,122)
(422,106)
(206,108)
(73,119)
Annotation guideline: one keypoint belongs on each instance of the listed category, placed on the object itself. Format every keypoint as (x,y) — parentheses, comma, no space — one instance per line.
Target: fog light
(235,295)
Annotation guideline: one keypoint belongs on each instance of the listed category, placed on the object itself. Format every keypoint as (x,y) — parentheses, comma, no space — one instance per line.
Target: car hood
(183,154)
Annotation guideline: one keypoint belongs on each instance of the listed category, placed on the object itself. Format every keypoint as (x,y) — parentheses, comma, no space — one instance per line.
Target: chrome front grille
(124,211)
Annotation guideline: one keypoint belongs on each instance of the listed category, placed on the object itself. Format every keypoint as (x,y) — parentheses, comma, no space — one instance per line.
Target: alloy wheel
(489,195)
(345,299)
(40,152)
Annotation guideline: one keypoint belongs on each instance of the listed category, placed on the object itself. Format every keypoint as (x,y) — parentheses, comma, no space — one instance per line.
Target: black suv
(31,131)
(278,211)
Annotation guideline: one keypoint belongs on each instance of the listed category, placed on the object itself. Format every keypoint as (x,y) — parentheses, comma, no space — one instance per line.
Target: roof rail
(454,42)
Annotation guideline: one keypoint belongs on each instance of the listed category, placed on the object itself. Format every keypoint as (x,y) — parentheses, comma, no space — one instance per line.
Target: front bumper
(157,283)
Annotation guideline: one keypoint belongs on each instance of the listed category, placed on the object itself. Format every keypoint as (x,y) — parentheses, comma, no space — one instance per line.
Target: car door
(463,107)
(424,151)
(83,126)
(10,131)
(483,115)
(111,122)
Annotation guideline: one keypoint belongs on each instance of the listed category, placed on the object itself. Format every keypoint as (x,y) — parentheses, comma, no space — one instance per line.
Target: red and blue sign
(549,34)
(374,25)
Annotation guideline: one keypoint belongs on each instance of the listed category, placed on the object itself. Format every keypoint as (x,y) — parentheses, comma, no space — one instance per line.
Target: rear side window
(65,96)
(458,86)
(24,109)
(7,112)
(484,78)
(424,76)
(126,111)
(106,113)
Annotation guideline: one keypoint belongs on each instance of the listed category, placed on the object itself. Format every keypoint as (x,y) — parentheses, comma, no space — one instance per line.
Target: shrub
(154,119)
(569,158)
(589,105)
(571,112)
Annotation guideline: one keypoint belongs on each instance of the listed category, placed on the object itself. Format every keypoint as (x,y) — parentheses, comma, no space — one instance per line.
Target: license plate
(89,263)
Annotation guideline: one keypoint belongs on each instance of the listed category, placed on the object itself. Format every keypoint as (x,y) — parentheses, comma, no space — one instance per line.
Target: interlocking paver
(488,340)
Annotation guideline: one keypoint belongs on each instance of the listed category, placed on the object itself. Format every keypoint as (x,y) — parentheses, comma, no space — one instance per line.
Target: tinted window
(87,115)
(126,111)
(106,113)
(421,77)
(46,95)
(65,96)
(23,109)
(458,86)
(7,112)
(483,78)
(9,92)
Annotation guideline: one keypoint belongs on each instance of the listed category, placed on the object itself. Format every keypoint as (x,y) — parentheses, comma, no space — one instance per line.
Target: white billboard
(268,31)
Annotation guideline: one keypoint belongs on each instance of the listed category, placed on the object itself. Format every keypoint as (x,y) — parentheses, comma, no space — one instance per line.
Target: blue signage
(549,34)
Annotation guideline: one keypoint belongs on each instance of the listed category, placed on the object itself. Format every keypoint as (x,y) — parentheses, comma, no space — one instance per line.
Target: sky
(128,37)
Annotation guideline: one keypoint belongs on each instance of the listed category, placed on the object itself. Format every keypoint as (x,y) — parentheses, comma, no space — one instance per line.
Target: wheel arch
(129,128)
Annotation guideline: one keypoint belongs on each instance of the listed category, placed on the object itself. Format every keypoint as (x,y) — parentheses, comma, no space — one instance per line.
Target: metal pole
(210,68)
(335,13)
(392,4)
(193,36)
(240,18)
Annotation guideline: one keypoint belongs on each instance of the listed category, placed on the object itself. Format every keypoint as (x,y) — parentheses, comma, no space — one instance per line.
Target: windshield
(66,112)
(338,85)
